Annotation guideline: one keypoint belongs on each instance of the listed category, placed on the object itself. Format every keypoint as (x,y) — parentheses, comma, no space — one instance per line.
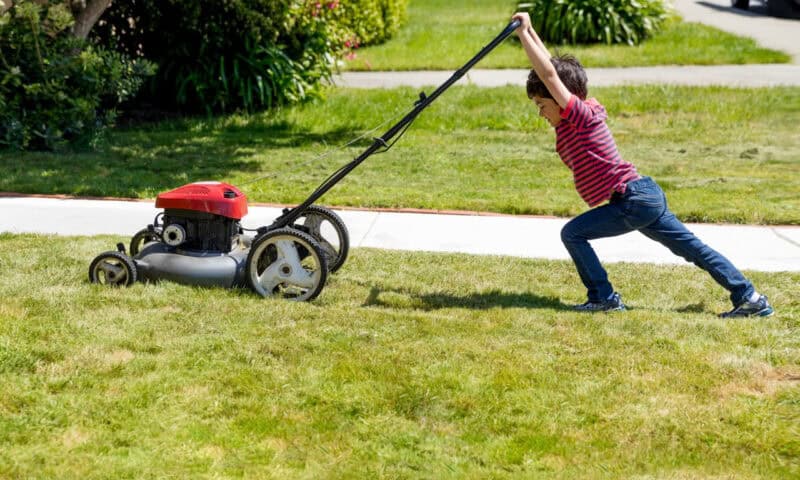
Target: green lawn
(444,34)
(722,155)
(407,366)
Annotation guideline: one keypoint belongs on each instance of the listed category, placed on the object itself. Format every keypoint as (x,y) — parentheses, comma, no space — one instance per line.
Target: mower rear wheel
(114,269)
(329,231)
(141,238)
(286,263)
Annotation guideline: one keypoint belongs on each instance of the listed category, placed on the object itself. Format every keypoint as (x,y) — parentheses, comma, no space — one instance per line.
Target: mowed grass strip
(408,366)
(444,34)
(721,154)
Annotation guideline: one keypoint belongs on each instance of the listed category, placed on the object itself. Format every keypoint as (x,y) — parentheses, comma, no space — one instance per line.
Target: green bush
(368,22)
(595,21)
(218,56)
(55,88)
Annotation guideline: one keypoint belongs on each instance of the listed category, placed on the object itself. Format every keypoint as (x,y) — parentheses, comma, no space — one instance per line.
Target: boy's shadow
(476,301)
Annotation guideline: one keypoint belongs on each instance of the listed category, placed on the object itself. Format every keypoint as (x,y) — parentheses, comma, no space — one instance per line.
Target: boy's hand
(524,21)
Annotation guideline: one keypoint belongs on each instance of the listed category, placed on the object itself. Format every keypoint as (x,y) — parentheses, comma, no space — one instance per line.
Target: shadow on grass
(693,308)
(399,298)
(147,159)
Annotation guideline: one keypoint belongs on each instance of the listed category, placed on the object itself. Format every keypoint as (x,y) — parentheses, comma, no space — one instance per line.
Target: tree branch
(88,17)
(5,5)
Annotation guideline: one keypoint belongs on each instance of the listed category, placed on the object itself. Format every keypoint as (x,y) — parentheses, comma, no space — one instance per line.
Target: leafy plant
(259,77)
(225,56)
(55,88)
(595,21)
(244,54)
(369,22)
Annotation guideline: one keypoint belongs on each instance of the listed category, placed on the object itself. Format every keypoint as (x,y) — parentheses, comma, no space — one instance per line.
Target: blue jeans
(643,207)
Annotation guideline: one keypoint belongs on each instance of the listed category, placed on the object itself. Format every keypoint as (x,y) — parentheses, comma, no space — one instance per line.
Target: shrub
(218,56)
(595,21)
(56,88)
(368,22)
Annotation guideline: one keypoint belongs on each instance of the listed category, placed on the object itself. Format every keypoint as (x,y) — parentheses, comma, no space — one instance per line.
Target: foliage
(222,56)
(595,21)
(244,54)
(54,87)
(370,22)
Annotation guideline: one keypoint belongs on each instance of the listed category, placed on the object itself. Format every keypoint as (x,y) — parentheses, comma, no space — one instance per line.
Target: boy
(583,141)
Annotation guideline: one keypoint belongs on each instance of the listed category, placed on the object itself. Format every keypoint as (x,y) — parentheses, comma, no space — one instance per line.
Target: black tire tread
(338,224)
(126,260)
(302,235)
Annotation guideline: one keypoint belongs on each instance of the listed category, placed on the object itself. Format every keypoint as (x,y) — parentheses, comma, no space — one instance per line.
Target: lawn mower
(198,238)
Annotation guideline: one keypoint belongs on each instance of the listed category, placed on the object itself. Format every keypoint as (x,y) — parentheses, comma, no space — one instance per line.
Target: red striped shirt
(585,145)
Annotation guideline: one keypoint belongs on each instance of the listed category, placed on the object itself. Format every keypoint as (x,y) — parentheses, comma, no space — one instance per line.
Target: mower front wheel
(114,269)
(286,263)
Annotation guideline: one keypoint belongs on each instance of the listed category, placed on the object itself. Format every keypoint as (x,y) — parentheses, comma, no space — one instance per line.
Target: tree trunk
(86,18)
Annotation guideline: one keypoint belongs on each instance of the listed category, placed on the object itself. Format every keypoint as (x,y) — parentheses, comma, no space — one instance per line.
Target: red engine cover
(210,197)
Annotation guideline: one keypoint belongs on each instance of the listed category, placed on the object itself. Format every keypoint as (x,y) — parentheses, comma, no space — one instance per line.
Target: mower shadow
(143,160)
(395,298)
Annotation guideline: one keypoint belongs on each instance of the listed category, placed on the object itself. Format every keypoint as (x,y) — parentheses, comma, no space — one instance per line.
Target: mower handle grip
(512,26)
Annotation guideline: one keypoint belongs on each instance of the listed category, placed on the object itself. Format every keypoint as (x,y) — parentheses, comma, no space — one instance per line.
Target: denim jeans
(643,207)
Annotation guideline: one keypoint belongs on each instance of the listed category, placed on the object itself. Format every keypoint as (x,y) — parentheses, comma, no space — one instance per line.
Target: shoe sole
(767,312)
(615,309)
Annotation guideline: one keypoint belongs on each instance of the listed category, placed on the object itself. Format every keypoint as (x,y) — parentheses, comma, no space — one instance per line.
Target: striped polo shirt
(585,145)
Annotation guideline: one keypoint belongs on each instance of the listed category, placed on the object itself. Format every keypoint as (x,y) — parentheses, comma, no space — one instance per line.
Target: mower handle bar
(289,216)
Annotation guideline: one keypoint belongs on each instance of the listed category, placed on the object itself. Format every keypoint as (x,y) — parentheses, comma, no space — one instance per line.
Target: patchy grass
(722,155)
(408,366)
(444,34)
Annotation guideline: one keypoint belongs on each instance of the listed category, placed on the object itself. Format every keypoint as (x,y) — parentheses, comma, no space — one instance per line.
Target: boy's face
(549,109)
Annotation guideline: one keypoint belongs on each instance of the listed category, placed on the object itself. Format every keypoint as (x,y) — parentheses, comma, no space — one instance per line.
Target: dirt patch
(765,381)
(74,437)
(118,357)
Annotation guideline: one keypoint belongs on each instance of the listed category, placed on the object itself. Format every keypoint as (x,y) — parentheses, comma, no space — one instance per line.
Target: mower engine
(199,240)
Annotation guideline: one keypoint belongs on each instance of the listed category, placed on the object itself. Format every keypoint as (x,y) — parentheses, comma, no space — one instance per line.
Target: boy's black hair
(569,70)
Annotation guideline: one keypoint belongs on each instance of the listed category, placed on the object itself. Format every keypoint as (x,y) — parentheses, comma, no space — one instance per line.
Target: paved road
(775,33)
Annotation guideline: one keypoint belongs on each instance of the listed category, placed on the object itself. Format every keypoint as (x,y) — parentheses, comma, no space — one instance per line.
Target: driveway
(770,32)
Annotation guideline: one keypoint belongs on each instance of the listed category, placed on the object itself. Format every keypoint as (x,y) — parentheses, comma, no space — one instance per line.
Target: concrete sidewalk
(749,247)
(698,75)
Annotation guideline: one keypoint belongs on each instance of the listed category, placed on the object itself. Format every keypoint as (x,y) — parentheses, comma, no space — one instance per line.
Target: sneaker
(759,308)
(612,304)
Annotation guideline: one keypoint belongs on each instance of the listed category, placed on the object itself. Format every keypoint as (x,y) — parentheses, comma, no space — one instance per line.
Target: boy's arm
(540,59)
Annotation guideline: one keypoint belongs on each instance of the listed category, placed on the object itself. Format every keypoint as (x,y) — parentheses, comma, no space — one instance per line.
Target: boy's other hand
(524,21)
